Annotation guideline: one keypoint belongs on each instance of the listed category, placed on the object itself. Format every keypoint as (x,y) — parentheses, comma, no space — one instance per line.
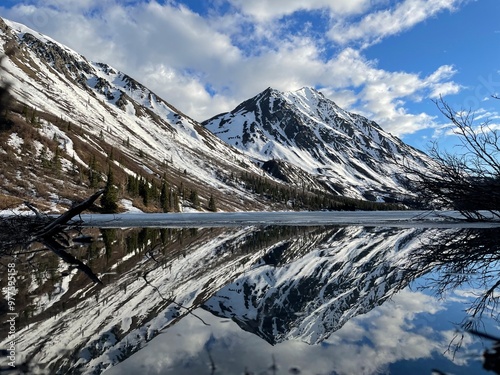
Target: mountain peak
(305,92)
(348,153)
(308,91)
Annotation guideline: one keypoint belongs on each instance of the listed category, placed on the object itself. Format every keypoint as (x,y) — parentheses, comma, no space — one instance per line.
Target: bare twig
(188,309)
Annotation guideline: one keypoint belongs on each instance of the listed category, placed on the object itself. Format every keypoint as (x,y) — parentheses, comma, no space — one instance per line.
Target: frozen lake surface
(443,219)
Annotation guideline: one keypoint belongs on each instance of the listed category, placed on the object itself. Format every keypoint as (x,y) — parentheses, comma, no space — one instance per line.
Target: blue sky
(384,59)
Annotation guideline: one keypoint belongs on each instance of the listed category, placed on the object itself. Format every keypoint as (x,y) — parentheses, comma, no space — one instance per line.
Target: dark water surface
(261,299)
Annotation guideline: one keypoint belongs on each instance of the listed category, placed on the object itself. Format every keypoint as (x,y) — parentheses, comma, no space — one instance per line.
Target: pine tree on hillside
(144,191)
(211,204)
(133,185)
(193,197)
(43,157)
(109,199)
(56,160)
(165,197)
(93,173)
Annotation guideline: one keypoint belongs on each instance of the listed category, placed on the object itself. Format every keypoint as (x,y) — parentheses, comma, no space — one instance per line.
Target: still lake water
(301,297)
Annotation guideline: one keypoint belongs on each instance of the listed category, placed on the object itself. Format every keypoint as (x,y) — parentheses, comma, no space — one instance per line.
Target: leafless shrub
(469,180)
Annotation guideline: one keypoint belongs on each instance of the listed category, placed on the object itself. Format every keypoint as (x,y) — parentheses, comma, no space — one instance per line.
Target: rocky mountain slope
(73,120)
(306,138)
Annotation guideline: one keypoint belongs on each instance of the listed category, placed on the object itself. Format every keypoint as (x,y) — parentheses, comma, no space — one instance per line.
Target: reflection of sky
(409,334)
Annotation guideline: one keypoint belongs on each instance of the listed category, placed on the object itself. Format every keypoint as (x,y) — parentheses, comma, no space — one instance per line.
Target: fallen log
(57,225)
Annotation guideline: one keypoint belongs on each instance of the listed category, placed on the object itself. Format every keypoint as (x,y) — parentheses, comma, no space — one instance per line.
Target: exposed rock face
(345,151)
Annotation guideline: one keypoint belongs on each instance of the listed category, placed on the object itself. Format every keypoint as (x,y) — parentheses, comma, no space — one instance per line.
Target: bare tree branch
(468,181)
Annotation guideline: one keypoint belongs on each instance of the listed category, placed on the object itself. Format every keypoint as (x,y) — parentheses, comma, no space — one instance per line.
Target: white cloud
(438,84)
(373,27)
(382,94)
(265,10)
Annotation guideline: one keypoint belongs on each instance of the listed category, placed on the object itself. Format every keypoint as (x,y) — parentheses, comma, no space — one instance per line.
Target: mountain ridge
(85,110)
(313,133)
(57,90)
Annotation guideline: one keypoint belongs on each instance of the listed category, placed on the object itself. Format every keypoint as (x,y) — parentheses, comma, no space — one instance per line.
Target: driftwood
(23,230)
(58,224)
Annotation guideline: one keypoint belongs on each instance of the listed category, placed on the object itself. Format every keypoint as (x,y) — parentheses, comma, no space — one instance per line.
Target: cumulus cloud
(265,10)
(207,64)
(382,94)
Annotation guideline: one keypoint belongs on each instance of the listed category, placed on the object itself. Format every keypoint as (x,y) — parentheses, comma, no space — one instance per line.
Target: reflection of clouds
(467,294)
(450,336)
(177,351)
(400,329)
(390,335)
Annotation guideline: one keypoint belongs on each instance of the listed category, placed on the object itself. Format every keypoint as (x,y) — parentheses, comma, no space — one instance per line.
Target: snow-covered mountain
(305,132)
(83,110)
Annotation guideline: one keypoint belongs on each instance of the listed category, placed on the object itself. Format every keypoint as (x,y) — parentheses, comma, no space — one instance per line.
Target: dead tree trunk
(21,231)
(58,224)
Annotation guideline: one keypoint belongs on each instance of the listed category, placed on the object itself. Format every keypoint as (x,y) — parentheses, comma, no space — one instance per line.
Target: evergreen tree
(133,185)
(56,160)
(181,191)
(165,197)
(193,197)
(24,112)
(109,198)
(93,174)
(211,204)
(175,200)
(43,157)
(33,117)
(153,190)
(144,191)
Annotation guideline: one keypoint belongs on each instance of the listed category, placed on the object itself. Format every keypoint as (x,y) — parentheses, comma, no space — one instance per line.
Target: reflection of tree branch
(188,309)
(463,257)
(482,302)
(56,248)
(212,363)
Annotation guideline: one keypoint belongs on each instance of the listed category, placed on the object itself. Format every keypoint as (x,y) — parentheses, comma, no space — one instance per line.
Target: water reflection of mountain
(278,282)
(339,274)
(351,270)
